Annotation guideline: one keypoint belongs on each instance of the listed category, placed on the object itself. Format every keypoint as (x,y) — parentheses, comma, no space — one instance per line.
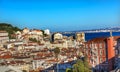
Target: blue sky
(61,15)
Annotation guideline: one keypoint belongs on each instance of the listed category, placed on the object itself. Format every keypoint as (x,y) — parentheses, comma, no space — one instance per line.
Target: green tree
(86,64)
(24,71)
(79,66)
(56,51)
(75,69)
(33,39)
(9,28)
(68,70)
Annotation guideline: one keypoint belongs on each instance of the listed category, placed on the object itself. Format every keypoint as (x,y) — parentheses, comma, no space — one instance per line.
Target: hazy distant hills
(11,29)
(114,29)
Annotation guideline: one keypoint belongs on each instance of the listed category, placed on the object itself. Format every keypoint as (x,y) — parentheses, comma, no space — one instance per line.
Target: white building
(12,43)
(47,31)
(38,63)
(18,34)
(3,36)
(58,36)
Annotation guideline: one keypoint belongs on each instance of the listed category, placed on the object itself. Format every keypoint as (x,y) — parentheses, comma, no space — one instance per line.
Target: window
(90,52)
(95,45)
(116,52)
(91,61)
(86,53)
(90,45)
(101,52)
(101,60)
(100,45)
(86,45)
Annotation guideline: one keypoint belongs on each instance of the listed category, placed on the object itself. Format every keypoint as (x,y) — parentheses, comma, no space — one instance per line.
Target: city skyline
(60,15)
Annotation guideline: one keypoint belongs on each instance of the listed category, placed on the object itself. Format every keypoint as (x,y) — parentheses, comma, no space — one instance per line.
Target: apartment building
(100,53)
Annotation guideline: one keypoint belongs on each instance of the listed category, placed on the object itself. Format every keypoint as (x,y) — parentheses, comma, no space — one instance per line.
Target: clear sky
(61,15)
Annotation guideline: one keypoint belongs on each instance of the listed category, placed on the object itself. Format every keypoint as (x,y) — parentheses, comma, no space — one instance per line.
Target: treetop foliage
(9,28)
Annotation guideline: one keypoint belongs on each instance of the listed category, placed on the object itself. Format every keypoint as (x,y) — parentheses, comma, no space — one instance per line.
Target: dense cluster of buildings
(32,50)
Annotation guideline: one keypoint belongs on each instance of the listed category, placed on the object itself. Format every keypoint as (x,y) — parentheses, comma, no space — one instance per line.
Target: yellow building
(26,30)
(80,37)
(58,36)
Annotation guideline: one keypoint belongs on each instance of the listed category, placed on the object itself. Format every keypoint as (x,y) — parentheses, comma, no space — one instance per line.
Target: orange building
(101,53)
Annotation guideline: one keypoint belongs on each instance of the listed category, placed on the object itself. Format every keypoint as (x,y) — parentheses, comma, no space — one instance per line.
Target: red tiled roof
(97,39)
(12,62)
(102,39)
(39,58)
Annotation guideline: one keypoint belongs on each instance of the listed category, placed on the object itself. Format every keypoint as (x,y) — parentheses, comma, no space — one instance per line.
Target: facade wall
(3,37)
(26,30)
(111,52)
(100,52)
(37,63)
(47,31)
(80,37)
(58,36)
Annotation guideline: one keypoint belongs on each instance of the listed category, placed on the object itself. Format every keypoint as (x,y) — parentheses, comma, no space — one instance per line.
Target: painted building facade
(100,53)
